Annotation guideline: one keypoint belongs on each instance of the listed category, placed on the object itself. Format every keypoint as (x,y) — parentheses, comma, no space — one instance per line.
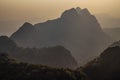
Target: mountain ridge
(105,66)
(75,31)
(56,56)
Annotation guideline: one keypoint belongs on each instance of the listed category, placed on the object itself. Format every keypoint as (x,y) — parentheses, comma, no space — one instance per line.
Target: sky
(13,13)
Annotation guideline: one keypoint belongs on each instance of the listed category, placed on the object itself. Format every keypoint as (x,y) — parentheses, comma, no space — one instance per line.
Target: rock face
(77,30)
(56,56)
(106,66)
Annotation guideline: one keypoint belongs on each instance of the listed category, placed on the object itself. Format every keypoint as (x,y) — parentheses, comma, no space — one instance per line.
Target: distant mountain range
(56,56)
(77,30)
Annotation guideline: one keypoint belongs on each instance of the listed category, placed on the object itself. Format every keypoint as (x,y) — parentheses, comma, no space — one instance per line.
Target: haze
(13,13)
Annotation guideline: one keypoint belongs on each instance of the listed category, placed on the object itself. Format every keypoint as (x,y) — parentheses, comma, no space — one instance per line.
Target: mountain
(106,66)
(56,56)
(113,32)
(10,69)
(77,30)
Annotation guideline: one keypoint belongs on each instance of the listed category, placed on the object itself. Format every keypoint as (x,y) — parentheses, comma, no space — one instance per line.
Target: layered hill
(56,56)
(77,30)
(106,66)
(10,69)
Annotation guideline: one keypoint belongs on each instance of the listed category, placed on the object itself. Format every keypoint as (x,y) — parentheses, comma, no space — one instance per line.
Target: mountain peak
(78,9)
(70,13)
(85,11)
(75,12)
(27,24)
(24,29)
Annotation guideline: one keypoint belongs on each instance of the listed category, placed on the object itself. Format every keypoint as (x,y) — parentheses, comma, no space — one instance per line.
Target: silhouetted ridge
(85,11)
(27,24)
(117,43)
(111,52)
(25,31)
(76,12)
(106,66)
(56,56)
(26,27)
(78,9)
(76,30)
(70,13)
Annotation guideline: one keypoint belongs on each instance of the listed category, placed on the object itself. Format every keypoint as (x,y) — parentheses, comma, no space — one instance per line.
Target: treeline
(11,69)
(106,66)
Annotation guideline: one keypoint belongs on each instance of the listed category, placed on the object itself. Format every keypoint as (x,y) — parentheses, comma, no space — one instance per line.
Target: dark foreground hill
(14,70)
(77,30)
(106,66)
(56,56)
